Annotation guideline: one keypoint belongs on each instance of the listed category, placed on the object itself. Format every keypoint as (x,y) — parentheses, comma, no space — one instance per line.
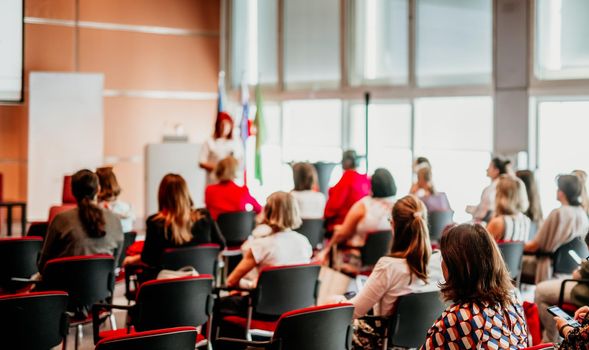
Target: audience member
(424,189)
(485,312)
(369,214)
(575,338)
(508,222)
(226,196)
(351,187)
(548,292)
(108,198)
(419,163)
(311,202)
(562,225)
(176,224)
(221,145)
(84,230)
(534,211)
(484,211)
(582,175)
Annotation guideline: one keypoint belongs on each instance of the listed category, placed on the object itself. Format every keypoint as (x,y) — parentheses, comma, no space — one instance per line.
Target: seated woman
(369,214)
(311,202)
(582,175)
(226,196)
(547,294)
(424,189)
(562,225)
(508,222)
(176,224)
(484,313)
(108,198)
(534,211)
(85,230)
(575,338)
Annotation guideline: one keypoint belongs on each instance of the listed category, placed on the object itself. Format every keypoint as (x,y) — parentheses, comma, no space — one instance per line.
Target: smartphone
(556,311)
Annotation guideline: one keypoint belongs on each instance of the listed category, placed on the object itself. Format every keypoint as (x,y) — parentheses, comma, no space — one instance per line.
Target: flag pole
(366,104)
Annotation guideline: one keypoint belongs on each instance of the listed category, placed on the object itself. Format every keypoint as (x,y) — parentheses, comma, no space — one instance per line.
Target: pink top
(350,189)
(227,196)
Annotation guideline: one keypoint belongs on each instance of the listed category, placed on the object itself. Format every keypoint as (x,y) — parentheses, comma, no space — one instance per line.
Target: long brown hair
(534,211)
(175,208)
(507,196)
(84,189)
(304,176)
(476,270)
(411,235)
(109,186)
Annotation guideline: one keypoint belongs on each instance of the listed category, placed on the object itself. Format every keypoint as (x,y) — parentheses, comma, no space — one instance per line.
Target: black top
(204,231)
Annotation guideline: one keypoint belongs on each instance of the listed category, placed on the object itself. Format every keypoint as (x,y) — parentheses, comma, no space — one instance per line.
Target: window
(454,42)
(562,145)
(456,135)
(561,39)
(311,43)
(389,135)
(254,49)
(379,42)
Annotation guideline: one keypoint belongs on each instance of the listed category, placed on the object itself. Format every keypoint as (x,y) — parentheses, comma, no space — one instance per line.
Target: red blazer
(227,196)
(350,188)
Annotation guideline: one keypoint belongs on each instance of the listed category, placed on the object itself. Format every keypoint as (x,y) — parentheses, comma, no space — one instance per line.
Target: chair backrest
(18,258)
(33,321)
(378,244)
(236,226)
(313,230)
(513,253)
(202,257)
(414,315)
(174,302)
(56,209)
(87,279)
(437,222)
(129,238)
(285,288)
(326,327)
(67,195)
(179,338)
(563,262)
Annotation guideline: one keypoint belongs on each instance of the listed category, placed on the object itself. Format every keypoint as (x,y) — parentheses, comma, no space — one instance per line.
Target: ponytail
(92,218)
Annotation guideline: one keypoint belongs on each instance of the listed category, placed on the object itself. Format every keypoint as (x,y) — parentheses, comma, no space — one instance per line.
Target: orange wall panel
(54,9)
(13,132)
(49,48)
(186,14)
(132,60)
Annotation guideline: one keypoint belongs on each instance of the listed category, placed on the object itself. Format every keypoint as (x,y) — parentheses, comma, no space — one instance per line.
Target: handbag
(370,333)
(181,272)
(332,283)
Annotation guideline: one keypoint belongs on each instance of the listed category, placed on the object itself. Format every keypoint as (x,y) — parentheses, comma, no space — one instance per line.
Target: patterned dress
(479,326)
(578,338)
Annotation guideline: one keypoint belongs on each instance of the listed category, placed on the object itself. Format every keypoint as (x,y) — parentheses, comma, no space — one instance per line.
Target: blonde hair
(175,208)
(226,169)
(281,212)
(507,196)
(424,175)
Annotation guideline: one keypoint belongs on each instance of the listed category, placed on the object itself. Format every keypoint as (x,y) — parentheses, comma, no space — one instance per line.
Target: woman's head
(85,187)
(473,267)
(421,162)
(507,196)
(223,126)
(226,169)
(424,179)
(411,235)
(281,212)
(349,160)
(534,211)
(304,176)
(109,186)
(175,207)
(497,166)
(383,184)
(569,189)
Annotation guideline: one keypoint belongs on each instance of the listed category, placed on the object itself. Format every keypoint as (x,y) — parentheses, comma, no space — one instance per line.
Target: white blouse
(214,150)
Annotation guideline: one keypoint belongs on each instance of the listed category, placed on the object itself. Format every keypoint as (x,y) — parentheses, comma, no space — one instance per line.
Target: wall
(160,59)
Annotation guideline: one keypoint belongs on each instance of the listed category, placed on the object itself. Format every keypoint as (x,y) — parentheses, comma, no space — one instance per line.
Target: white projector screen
(11,50)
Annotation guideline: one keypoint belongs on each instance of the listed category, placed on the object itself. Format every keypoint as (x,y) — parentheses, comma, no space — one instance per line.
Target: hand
(131,260)
(581,313)
(322,257)
(561,322)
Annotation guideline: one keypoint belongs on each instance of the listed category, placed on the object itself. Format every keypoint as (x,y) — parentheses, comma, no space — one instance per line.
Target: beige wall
(133,61)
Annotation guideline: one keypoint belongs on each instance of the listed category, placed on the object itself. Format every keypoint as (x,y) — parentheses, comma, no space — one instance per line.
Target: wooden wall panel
(54,9)
(49,48)
(151,62)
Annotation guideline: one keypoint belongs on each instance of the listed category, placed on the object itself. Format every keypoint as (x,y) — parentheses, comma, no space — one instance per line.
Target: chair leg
(78,339)
(113,321)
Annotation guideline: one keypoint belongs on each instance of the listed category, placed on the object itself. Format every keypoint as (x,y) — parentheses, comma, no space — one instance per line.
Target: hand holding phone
(556,311)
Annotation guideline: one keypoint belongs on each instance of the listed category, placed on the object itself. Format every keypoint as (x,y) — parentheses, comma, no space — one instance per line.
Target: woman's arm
(496,228)
(245,265)
(154,243)
(375,288)
(347,229)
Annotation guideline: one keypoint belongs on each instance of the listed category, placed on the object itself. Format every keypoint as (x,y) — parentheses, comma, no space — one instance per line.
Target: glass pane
(454,42)
(562,145)
(254,42)
(379,41)
(311,43)
(562,30)
(312,130)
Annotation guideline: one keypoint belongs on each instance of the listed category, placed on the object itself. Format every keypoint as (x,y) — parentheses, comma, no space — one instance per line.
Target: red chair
(541,346)
(280,289)
(326,327)
(33,320)
(18,259)
(568,307)
(178,338)
(184,301)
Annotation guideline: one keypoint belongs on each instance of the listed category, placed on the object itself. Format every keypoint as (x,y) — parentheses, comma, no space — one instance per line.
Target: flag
(221,92)
(244,123)
(260,135)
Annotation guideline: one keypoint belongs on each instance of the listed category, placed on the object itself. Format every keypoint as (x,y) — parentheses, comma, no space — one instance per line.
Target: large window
(456,135)
(454,42)
(562,29)
(379,41)
(562,145)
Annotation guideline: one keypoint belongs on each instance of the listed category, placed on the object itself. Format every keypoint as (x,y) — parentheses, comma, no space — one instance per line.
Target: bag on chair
(182,272)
